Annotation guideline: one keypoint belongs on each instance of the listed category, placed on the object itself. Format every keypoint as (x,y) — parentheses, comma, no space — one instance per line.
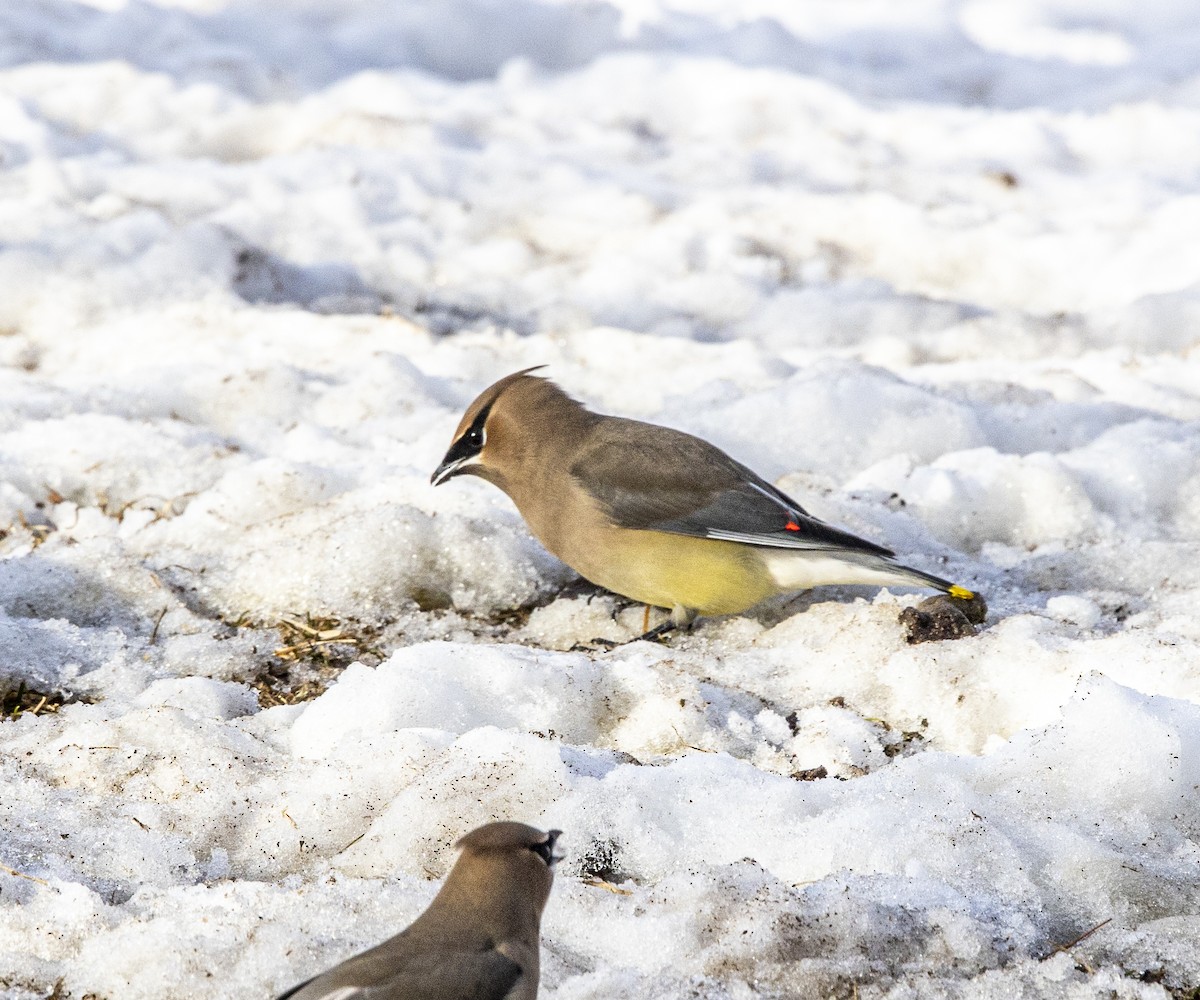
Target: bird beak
(552,839)
(447,470)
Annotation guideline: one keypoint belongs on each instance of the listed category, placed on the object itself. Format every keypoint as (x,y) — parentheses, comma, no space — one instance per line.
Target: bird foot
(656,633)
(608,645)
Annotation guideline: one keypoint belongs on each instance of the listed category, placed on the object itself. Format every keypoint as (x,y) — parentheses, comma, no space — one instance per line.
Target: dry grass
(25,700)
(273,692)
(313,651)
(314,638)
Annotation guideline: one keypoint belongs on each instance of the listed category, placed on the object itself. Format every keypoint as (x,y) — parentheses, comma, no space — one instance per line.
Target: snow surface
(933,266)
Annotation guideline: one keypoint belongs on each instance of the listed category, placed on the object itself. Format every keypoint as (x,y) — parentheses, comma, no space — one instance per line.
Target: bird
(655,514)
(477,940)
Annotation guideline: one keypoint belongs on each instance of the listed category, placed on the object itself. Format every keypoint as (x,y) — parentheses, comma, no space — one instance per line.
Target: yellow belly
(669,571)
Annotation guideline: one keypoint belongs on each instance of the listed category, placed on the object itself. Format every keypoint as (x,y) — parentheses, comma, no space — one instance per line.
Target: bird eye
(474,437)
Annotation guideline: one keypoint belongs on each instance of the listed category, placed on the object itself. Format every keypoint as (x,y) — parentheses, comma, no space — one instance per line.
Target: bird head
(514,860)
(513,425)
(480,442)
(506,838)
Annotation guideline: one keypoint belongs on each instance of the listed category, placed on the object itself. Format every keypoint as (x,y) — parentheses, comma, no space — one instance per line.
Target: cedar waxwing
(478,940)
(652,513)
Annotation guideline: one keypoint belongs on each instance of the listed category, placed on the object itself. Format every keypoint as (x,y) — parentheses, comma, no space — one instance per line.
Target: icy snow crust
(931,266)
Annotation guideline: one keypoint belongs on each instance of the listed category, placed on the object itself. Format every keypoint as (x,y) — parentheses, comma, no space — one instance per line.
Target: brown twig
(16,874)
(354,841)
(1086,934)
(599,883)
(157,622)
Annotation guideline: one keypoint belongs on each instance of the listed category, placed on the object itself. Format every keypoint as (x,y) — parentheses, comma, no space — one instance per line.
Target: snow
(932,267)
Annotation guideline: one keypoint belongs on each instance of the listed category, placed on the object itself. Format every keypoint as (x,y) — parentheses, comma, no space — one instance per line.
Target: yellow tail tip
(961,593)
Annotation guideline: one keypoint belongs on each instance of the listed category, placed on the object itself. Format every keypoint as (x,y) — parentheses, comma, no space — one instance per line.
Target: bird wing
(657,479)
(440,975)
(336,993)
(477,975)
(295,991)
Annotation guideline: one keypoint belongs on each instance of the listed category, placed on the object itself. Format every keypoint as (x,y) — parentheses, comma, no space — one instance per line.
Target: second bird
(652,513)
(478,940)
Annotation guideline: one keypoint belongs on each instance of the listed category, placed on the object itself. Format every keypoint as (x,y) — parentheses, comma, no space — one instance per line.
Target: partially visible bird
(479,938)
(652,513)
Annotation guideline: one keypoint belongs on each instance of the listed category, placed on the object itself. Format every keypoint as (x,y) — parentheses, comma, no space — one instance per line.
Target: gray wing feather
(658,479)
(295,990)
(478,975)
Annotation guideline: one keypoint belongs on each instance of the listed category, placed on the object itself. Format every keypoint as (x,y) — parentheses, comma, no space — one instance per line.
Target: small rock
(943,617)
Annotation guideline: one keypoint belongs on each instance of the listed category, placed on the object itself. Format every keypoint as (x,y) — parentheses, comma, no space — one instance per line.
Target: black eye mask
(545,850)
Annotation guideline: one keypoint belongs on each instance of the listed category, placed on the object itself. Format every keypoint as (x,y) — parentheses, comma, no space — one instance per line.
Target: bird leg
(657,632)
(649,635)
(681,618)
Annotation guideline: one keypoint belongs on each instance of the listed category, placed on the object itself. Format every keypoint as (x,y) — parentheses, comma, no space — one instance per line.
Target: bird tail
(794,569)
(921,578)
